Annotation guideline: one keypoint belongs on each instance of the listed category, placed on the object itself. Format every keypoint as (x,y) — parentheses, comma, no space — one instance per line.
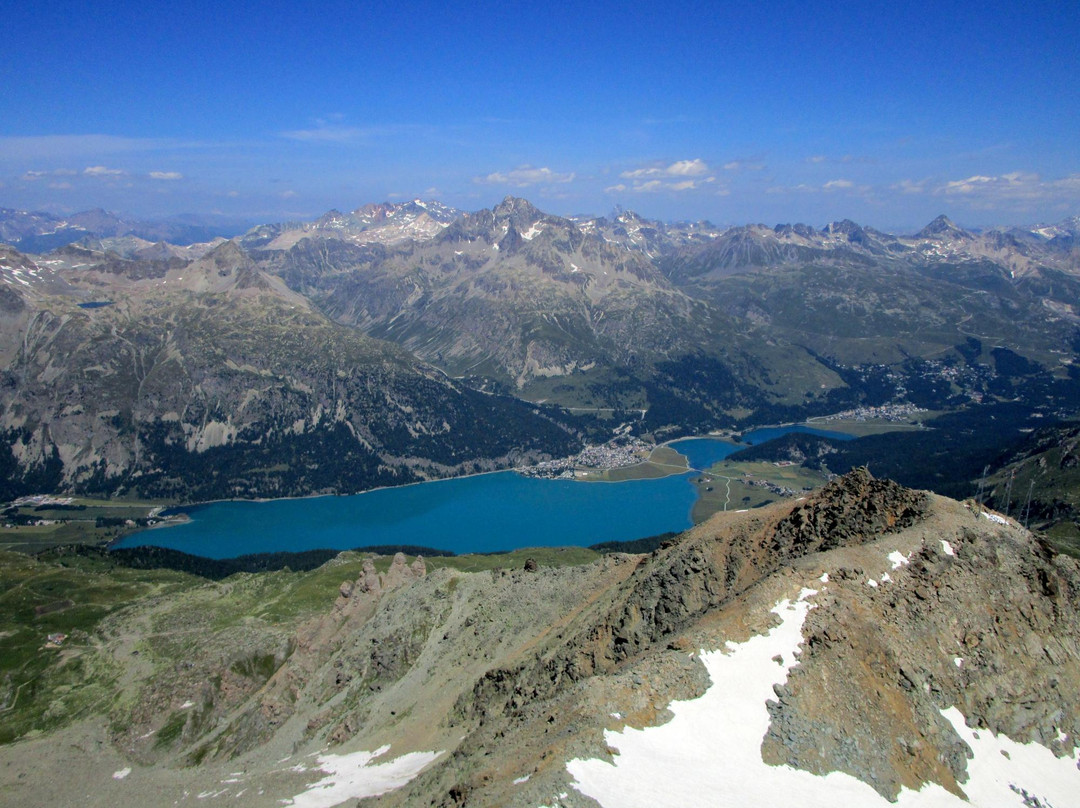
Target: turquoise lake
(480,514)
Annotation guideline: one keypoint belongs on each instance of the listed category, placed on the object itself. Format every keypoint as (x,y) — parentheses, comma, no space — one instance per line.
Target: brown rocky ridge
(922,604)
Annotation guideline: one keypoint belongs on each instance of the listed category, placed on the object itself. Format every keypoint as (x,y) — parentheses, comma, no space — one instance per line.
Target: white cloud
(103,171)
(801,188)
(1016,188)
(60,186)
(524,176)
(911,186)
(680,168)
(287,194)
(838,185)
(744,165)
(817,159)
(327,131)
(58,172)
(166,175)
(327,134)
(652,186)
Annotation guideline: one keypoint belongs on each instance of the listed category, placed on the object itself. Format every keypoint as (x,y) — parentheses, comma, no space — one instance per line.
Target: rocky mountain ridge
(920,608)
(666,327)
(197,379)
(39,231)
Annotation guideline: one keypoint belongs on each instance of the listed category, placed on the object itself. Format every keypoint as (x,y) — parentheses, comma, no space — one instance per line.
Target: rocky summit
(867,644)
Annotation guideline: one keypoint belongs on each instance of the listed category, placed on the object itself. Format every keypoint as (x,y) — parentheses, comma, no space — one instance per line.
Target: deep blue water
(485,513)
(704,452)
(762,435)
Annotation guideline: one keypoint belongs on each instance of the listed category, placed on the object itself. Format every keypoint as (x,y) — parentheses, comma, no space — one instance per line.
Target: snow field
(709,754)
(353,776)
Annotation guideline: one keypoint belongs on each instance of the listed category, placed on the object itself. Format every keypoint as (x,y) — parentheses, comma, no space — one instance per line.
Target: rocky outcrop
(708,567)
(849,511)
(980,619)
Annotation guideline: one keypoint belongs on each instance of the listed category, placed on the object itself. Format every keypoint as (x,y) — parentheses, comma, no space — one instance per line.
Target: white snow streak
(351,777)
(120,775)
(709,753)
(898,559)
(947,548)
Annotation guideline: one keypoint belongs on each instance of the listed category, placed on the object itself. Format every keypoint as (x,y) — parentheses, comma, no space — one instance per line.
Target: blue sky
(886,113)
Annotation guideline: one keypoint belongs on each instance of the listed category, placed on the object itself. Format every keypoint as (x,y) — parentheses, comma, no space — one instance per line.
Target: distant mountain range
(130,364)
(39,232)
(861,642)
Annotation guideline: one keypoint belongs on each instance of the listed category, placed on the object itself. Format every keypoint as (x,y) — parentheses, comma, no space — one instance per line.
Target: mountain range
(443,342)
(39,231)
(871,642)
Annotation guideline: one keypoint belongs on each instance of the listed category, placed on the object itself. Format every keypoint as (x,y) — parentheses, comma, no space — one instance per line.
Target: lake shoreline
(489,511)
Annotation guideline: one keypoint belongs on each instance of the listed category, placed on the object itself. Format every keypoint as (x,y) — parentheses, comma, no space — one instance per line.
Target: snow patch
(993,517)
(871,582)
(898,559)
(520,780)
(187,704)
(710,751)
(824,578)
(353,776)
(677,763)
(958,661)
(120,775)
(947,548)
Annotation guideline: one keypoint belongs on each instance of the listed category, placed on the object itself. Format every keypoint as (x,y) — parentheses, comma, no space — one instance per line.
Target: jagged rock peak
(942,226)
(844,226)
(804,230)
(330,218)
(227,251)
(517,209)
(850,510)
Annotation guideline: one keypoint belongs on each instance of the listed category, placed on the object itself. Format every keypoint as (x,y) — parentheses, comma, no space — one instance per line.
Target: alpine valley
(896,637)
(410,341)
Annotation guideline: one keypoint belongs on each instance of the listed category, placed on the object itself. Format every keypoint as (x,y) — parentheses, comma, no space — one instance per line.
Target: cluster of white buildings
(623,451)
(884,412)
